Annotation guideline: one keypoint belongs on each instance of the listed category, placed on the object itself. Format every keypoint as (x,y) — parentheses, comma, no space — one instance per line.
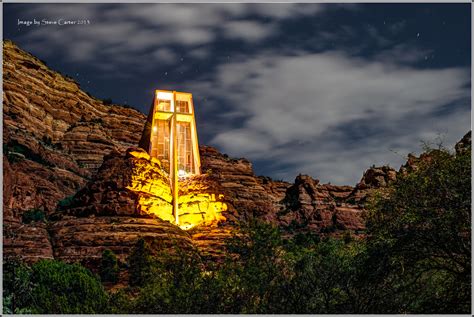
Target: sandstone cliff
(54,133)
(61,143)
(54,138)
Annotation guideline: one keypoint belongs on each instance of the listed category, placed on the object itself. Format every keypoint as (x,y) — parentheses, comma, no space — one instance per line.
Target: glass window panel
(182,106)
(164,105)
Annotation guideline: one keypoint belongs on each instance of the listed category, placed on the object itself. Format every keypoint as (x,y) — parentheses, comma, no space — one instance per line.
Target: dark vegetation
(109,269)
(416,258)
(33,215)
(66,202)
(15,151)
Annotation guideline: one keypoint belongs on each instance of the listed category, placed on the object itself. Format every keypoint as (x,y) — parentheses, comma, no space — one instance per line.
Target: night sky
(321,89)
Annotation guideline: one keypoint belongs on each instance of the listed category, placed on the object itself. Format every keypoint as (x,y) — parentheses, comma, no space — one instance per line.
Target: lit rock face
(199,202)
(129,198)
(135,184)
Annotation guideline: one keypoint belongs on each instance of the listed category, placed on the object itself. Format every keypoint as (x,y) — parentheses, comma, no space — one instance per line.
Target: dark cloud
(326,90)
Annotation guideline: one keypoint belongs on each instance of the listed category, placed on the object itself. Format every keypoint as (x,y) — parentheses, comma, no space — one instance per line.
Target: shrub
(66,202)
(52,287)
(140,263)
(33,215)
(419,238)
(109,269)
(17,287)
(66,289)
(107,101)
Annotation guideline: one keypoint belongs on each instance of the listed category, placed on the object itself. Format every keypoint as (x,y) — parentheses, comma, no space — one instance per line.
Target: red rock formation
(248,196)
(109,212)
(83,239)
(28,242)
(320,208)
(55,139)
(49,120)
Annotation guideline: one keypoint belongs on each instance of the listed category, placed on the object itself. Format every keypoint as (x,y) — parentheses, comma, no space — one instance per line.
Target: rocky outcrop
(83,239)
(373,178)
(320,208)
(60,142)
(247,195)
(28,242)
(49,121)
(54,138)
(305,205)
(130,198)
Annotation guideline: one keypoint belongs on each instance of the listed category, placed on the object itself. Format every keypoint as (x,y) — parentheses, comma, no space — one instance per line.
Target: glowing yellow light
(151,184)
(164,95)
(176,144)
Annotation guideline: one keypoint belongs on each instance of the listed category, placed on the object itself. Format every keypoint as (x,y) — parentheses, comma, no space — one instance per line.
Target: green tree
(140,263)
(323,278)
(17,287)
(51,287)
(255,270)
(109,269)
(62,288)
(419,238)
(33,215)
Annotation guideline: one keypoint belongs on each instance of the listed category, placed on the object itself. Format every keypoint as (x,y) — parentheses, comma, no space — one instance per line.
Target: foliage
(17,287)
(107,101)
(419,245)
(14,149)
(33,215)
(260,272)
(415,259)
(120,303)
(263,273)
(66,289)
(66,202)
(140,262)
(52,287)
(109,269)
(178,285)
